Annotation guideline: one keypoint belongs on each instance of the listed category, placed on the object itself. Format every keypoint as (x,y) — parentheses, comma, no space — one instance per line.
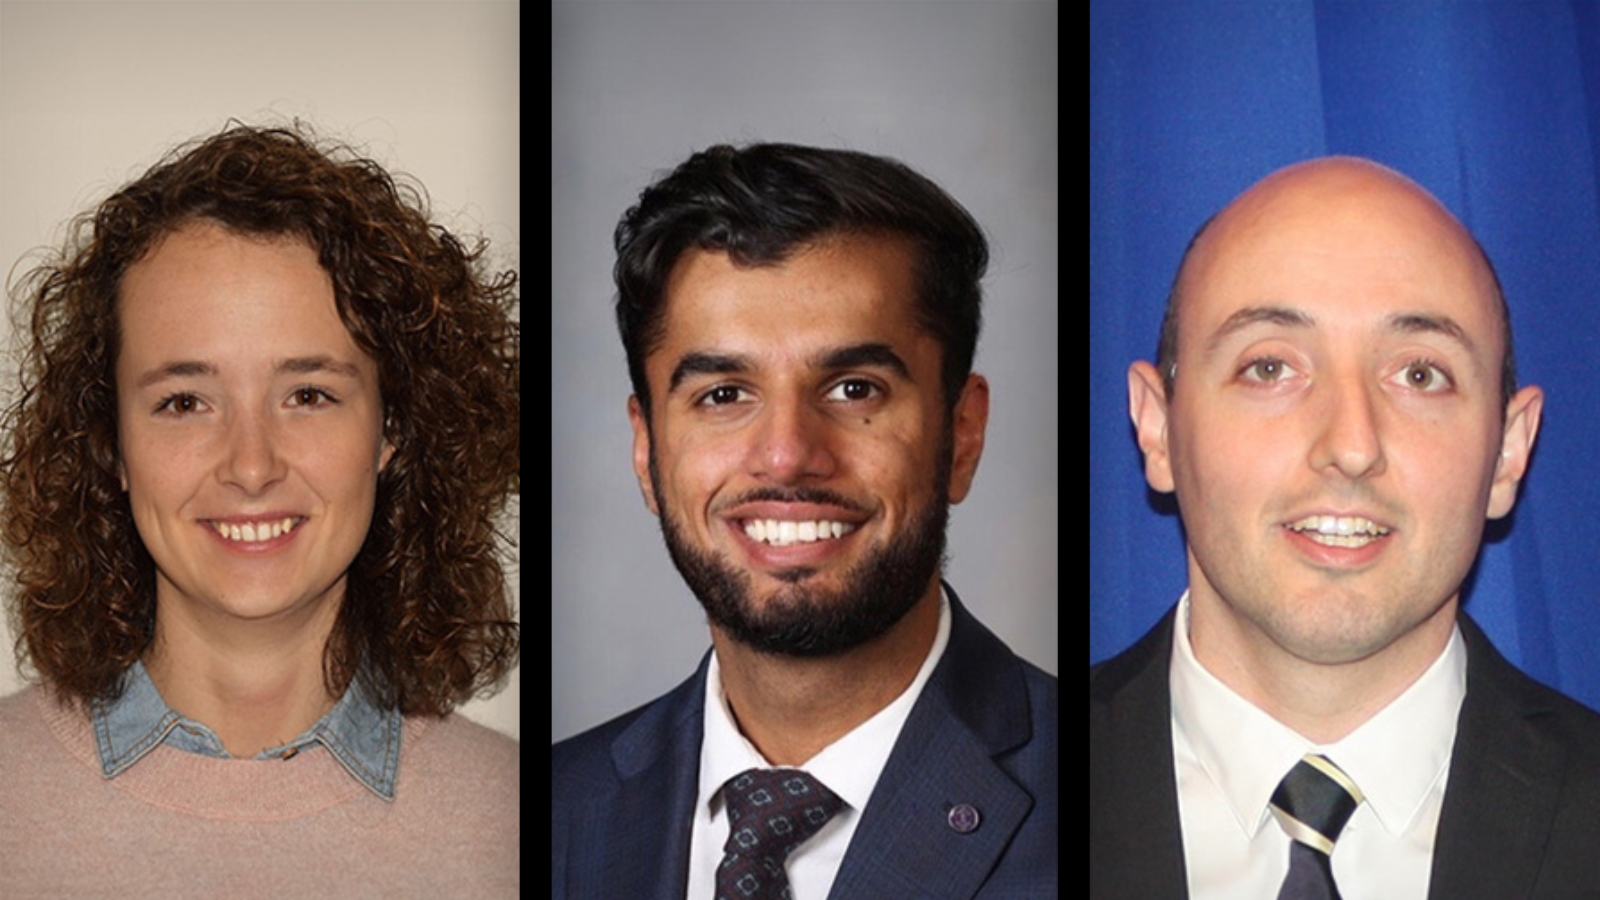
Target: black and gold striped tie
(1313,803)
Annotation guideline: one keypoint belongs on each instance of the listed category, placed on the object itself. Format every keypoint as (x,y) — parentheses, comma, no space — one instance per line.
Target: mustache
(820,496)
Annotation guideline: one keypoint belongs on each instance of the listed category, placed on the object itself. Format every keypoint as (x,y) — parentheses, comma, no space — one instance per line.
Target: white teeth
(783,533)
(1340,531)
(254,532)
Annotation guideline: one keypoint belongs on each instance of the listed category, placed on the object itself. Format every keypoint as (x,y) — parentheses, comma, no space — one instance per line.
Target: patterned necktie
(1313,803)
(771,812)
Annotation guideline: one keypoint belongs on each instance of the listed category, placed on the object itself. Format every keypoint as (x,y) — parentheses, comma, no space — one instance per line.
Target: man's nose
(791,443)
(1348,429)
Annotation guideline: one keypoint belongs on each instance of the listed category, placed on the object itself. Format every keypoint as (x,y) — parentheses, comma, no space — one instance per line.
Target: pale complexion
(1336,438)
(244,402)
(782,417)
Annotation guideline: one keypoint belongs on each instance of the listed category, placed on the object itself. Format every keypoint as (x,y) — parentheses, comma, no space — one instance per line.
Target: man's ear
(971,421)
(641,452)
(1516,448)
(1147,407)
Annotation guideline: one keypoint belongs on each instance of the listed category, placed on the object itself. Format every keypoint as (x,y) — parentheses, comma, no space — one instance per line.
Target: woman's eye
(311,396)
(854,390)
(179,404)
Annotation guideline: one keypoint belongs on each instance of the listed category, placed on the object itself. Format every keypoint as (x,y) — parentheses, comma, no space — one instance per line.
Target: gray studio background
(93,93)
(964,93)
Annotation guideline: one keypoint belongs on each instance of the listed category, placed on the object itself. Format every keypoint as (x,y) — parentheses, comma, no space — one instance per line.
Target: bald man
(1335,407)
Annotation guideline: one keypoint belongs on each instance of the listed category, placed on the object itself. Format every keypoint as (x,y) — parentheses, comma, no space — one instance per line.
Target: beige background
(92,94)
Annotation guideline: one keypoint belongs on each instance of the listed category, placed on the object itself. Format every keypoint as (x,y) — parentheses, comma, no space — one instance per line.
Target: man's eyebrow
(1258,315)
(1402,323)
(1412,323)
(855,356)
(700,363)
(859,356)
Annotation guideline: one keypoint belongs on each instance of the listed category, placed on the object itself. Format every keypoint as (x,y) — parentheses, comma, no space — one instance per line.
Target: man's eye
(854,390)
(1266,370)
(722,395)
(1425,376)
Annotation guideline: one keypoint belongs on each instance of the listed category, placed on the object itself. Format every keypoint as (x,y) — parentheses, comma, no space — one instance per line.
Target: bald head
(1364,217)
(1336,436)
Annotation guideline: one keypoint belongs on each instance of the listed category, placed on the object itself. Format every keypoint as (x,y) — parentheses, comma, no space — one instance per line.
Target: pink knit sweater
(178,825)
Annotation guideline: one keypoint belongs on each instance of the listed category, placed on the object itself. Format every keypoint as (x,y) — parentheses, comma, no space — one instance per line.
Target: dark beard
(803,621)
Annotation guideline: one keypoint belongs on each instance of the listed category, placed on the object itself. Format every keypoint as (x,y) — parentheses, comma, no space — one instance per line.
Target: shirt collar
(363,736)
(1395,757)
(849,767)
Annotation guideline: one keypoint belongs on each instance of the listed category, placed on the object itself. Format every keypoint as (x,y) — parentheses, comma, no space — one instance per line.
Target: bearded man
(800,326)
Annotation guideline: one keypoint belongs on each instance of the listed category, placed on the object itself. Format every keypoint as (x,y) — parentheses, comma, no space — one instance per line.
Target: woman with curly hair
(267,423)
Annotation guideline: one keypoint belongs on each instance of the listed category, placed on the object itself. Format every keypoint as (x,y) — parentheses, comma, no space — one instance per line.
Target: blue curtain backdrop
(1495,108)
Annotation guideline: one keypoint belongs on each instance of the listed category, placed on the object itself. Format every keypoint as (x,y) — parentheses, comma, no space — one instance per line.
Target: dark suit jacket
(1521,814)
(984,733)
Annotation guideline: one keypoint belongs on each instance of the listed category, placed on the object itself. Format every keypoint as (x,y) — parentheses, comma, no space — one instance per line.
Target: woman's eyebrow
(180,369)
(299,365)
(310,365)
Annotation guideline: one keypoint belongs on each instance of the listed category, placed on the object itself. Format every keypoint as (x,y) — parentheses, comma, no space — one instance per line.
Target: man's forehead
(1316,291)
(1354,239)
(859,267)
(820,298)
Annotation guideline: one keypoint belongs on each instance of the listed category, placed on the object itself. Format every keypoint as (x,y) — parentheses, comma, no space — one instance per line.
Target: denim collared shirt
(362,736)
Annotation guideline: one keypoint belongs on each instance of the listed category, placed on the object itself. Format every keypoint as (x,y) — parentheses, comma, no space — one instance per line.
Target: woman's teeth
(782,534)
(256,531)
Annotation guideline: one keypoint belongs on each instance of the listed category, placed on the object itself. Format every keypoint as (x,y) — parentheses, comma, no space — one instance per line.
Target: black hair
(763,202)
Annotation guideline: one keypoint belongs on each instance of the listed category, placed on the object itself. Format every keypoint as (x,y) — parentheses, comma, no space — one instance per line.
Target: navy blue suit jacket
(984,733)
(1521,815)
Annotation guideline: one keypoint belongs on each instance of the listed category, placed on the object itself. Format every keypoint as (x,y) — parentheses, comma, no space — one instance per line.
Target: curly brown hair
(426,621)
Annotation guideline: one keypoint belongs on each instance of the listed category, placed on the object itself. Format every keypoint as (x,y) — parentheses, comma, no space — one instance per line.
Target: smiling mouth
(1350,532)
(256,532)
(784,533)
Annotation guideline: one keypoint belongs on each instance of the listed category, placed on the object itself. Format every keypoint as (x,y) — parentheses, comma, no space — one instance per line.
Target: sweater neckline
(241,790)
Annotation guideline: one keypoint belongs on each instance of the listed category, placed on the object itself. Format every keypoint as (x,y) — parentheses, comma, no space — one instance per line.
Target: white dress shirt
(1230,756)
(849,767)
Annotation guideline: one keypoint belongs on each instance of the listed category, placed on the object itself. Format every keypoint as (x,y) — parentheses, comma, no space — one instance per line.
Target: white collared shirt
(1230,756)
(849,767)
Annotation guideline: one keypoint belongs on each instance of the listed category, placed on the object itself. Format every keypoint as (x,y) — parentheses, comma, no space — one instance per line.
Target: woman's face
(250,427)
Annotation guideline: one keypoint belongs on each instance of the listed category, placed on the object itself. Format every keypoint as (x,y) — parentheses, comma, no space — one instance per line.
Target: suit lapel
(1500,801)
(650,816)
(1135,838)
(973,708)
(1504,786)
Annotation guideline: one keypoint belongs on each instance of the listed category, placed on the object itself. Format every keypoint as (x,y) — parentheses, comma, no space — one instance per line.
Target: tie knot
(772,811)
(1314,801)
